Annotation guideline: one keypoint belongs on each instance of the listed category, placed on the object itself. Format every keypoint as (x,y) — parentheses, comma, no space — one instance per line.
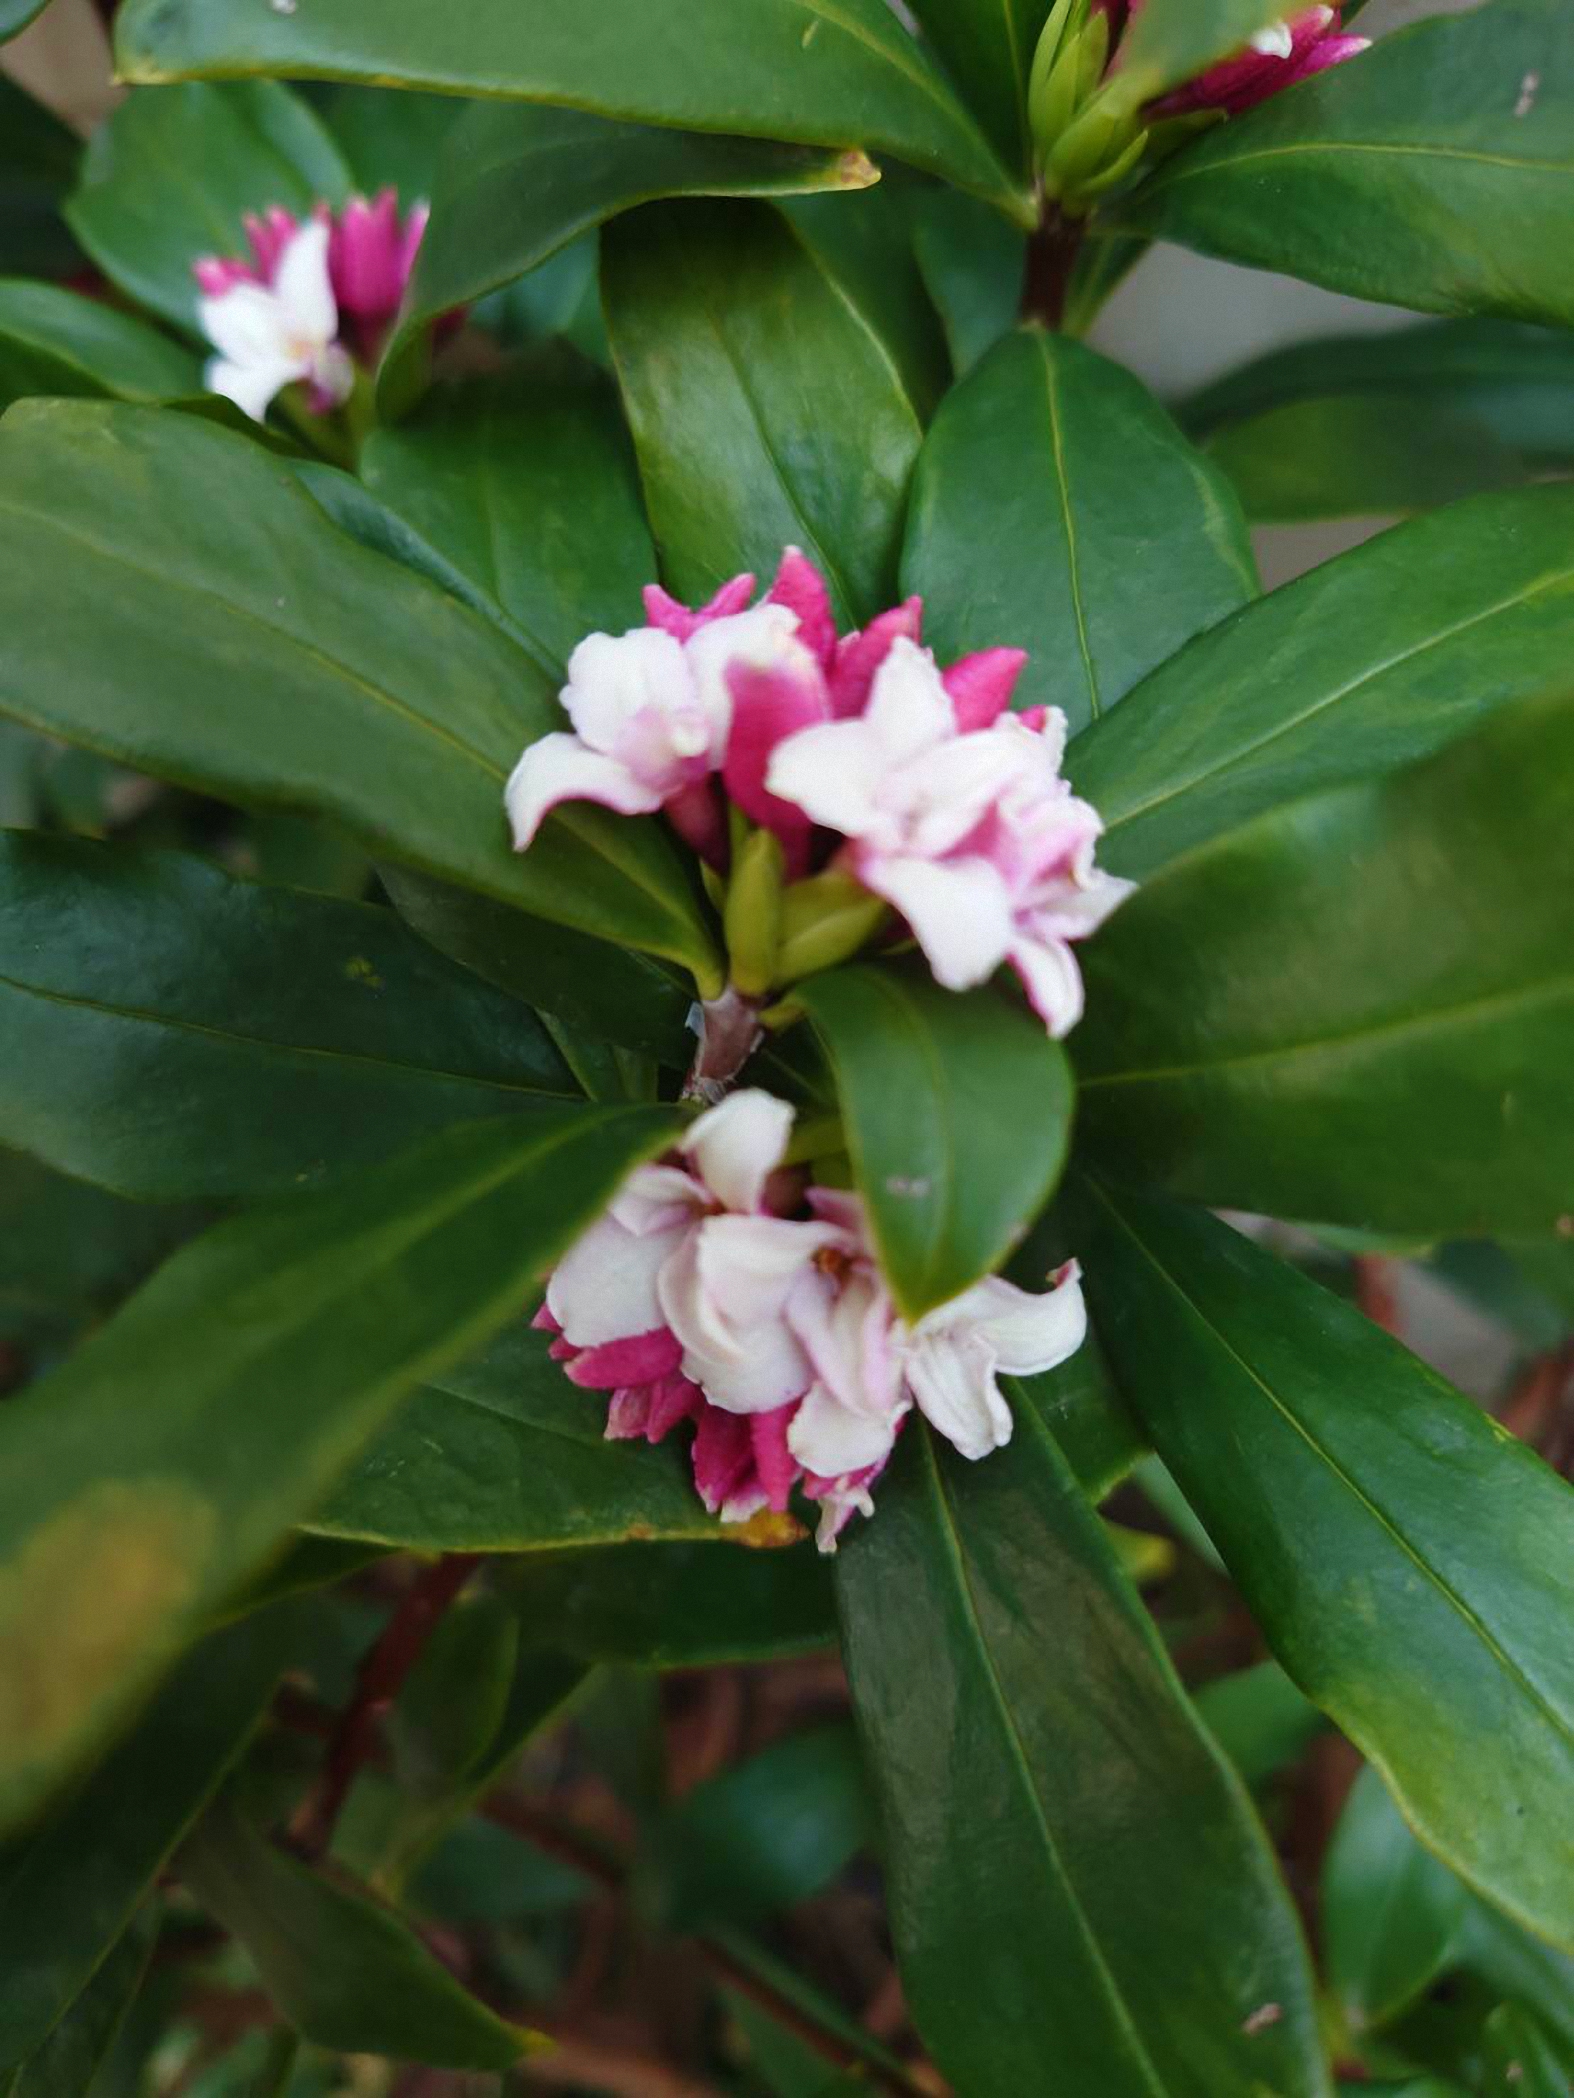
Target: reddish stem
(1052,253)
(381,1677)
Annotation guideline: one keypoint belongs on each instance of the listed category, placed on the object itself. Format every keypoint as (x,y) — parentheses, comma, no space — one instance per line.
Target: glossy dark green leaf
(987,47)
(1080,1894)
(1260,1720)
(1052,496)
(371,698)
(1391,1912)
(68,1888)
(828,75)
(1522,2060)
(169,176)
(1366,662)
(157,1471)
(69,1252)
(390,138)
(1407,1072)
(345,1971)
(759,1837)
(66,2064)
(724,326)
(677,1605)
(971,261)
(922,1074)
(126,977)
(864,243)
(588,984)
(1410,1563)
(1362,179)
(527,484)
(55,341)
(38,164)
(1080,1406)
(503,1454)
(1513,1963)
(1175,40)
(519,181)
(1374,424)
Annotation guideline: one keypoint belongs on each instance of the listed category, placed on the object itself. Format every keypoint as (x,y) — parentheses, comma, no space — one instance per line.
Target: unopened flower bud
(825,920)
(753,913)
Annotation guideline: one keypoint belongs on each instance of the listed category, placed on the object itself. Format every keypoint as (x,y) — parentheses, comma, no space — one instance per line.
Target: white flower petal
(952,1377)
(605,1286)
(724,1295)
(945,792)
(959,911)
(836,773)
(765,637)
(1052,980)
(909,709)
(830,1439)
(302,286)
(737,1145)
(1024,1331)
(1275,41)
(248,326)
(250,386)
(562,768)
(613,678)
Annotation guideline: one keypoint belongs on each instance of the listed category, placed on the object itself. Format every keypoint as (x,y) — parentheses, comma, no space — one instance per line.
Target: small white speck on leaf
(1564,1227)
(1514,2073)
(908,1190)
(1529,88)
(1265,2015)
(809,35)
(284,7)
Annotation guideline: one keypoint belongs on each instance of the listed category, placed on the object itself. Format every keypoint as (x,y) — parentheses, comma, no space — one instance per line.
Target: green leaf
(864,244)
(503,1454)
(66,2064)
(1368,661)
(1391,1912)
(1409,1562)
(157,1471)
(1081,1408)
(588,984)
(38,164)
(1362,178)
(526,482)
(69,1888)
(1052,495)
(816,72)
(724,326)
(55,341)
(1376,424)
(519,181)
(1259,1719)
(971,262)
(922,1075)
(760,1837)
(125,976)
(1174,40)
(665,1605)
(388,139)
(1303,1075)
(987,47)
(377,701)
(1513,1963)
(1080,1895)
(345,1971)
(170,176)
(1521,2059)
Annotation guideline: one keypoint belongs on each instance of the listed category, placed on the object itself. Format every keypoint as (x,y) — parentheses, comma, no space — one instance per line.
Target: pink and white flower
(717,1290)
(970,832)
(1274,58)
(311,300)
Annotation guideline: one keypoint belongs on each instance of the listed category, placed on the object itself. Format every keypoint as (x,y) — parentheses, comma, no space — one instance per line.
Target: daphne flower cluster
(722,1291)
(859,755)
(311,302)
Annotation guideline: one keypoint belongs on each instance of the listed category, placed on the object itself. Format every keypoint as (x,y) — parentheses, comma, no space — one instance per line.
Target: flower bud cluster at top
(1090,136)
(313,303)
(834,785)
(726,1291)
